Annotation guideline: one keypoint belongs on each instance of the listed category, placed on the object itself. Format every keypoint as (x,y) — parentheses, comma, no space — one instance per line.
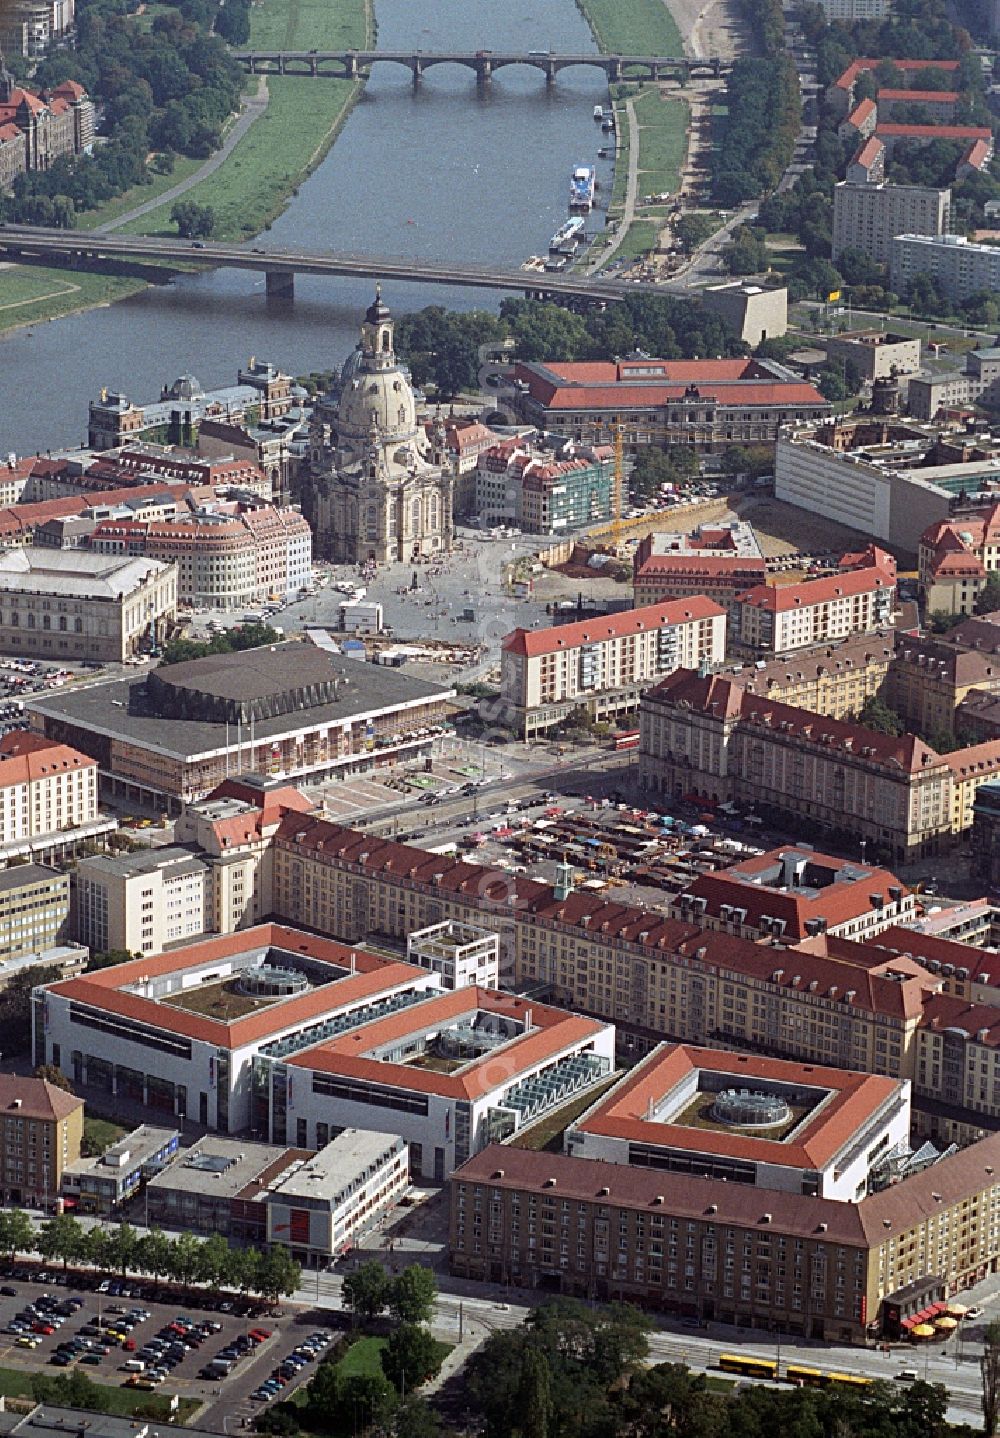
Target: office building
(867,217)
(603,664)
(143,902)
(69,604)
(102,1183)
(779,619)
(543,488)
(34,912)
(42,1128)
(261,1030)
(741,1119)
(286,711)
(718,562)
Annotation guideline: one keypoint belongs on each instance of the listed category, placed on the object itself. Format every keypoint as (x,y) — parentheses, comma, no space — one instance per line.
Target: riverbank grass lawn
(633,27)
(663,125)
(30,294)
(288,141)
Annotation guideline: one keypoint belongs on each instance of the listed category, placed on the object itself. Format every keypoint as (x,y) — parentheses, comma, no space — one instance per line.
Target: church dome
(383,400)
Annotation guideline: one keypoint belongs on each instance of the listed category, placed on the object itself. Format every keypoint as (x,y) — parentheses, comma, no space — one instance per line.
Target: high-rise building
(868,217)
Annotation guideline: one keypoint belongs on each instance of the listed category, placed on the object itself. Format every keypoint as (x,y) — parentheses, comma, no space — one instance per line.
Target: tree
(61,1237)
(277,1274)
(415,1418)
(989,1367)
(193,221)
(655,467)
(154,1254)
(108,958)
(534,1395)
(122,1247)
(17,1232)
(692,230)
(55,1076)
(366,1398)
(215,1264)
(988,598)
(366,1291)
(876,714)
(410,1357)
(15,1008)
(412,1294)
(185,1258)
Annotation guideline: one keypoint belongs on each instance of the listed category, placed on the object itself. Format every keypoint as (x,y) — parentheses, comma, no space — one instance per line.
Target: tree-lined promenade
(121,1249)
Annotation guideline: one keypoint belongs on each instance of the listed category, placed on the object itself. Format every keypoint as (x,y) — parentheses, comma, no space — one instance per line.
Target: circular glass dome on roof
(270,982)
(747,1108)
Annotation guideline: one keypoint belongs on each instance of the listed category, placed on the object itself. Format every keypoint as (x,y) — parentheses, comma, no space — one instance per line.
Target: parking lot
(149,1339)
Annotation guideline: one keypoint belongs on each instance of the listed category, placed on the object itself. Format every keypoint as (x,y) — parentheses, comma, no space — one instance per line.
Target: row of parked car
(153,1362)
(38,1319)
(307,1352)
(227,1358)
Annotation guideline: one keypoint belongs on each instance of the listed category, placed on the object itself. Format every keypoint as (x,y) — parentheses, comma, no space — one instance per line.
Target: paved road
(252,108)
(705,265)
(631,187)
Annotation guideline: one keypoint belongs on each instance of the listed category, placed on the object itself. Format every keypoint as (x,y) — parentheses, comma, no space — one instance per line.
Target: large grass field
(250,188)
(662,141)
(30,294)
(633,27)
(138,195)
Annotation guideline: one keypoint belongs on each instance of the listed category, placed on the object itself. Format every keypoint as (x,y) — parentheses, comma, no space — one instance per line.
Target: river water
(442,172)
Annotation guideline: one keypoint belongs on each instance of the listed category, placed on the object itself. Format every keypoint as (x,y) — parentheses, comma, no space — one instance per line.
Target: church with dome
(381,489)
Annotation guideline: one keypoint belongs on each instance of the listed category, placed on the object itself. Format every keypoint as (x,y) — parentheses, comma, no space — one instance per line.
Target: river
(440,172)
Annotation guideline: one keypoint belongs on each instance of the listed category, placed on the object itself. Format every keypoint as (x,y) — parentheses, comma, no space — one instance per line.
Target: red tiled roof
(948,1011)
(868,152)
(724,697)
(710,565)
(982,966)
(742,393)
(857,67)
(25,760)
(977,759)
(931,97)
(937,132)
(977,154)
(560,637)
(780,599)
(837,902)
(862,111)
(854,1099)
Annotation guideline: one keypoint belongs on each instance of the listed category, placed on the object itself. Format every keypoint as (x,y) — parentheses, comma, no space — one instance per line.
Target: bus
(749,1367)
(806,1377)
(627,740)
(848,1380)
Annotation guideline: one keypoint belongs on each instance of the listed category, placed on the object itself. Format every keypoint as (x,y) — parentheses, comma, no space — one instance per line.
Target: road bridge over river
(350,64)
(79,247)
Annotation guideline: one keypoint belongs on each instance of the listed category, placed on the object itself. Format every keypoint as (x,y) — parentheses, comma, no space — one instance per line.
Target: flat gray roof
(217,1167)
(175,857)
(118,709)
(22,874)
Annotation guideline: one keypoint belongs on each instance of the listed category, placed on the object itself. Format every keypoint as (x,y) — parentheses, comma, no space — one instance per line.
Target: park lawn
(638,27)
(363,1359)
(304,24)
(641,238)
(663,125)
(138,195)
(31,294)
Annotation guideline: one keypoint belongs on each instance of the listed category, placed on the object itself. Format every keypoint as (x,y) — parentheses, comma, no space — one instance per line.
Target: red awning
(938,1308)
(908,1323)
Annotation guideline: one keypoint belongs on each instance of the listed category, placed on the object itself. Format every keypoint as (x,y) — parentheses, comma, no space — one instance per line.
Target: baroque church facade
(380,489)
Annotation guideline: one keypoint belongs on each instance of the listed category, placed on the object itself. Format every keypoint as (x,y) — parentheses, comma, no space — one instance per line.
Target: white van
(134,1365)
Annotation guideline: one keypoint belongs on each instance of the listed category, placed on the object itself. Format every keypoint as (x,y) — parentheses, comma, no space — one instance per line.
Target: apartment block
(868,217)
(48,796)
(42,1128)
(142,902)
(956,557)
(725,1252)
(960,267)
(929,679)
(706,735)
(604,664)
(835,681)
(780,619)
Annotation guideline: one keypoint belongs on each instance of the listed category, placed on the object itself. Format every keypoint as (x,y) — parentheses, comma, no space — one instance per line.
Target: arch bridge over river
(349,64)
